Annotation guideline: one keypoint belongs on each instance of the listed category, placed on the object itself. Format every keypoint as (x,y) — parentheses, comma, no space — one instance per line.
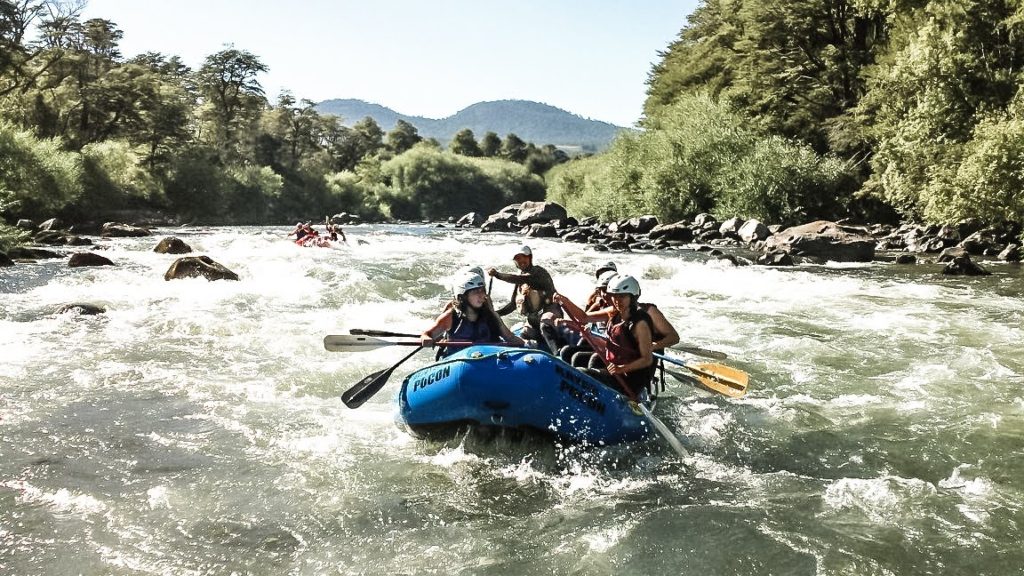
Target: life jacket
(484,329)
(655,335)
(624,348)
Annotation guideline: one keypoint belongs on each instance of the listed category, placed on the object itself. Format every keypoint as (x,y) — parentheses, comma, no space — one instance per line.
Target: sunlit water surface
(196,427)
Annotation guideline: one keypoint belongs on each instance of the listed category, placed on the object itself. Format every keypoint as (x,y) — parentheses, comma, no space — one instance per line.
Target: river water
(196,427)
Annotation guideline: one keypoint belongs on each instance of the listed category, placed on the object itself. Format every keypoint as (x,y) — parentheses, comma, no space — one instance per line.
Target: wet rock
(640,225)
(52,224)
(906,259)
(49,237)
(500,222)
(81,308)
(81,259)
(25,253)
(540,213)
(172,245)
(199,266)
(964,266)
(824,239)
(541,231)
(471,220)
(775,259)
(5,260)
(25,224)
(1011,253)
(677,232)
(118,230)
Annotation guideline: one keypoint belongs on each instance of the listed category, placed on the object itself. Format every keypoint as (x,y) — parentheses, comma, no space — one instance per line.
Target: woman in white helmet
(630,351)
(470,318)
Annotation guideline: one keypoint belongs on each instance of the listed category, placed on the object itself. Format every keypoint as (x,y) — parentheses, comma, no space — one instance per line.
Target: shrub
(115,178)
(41,178)
(428,183)
(696,156)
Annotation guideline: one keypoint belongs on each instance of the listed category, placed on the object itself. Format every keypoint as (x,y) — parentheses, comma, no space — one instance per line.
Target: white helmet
(606,267)
(524,250)
(470,281)
(625,284)
(604,277)
(478,270)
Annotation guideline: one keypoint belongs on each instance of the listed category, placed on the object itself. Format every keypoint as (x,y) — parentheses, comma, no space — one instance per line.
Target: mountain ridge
(532,121)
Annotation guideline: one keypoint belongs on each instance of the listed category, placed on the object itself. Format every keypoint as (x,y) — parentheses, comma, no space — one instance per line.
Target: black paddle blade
(355,396)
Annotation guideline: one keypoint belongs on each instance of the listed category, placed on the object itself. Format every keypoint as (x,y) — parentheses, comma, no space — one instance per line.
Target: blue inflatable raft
(516,388)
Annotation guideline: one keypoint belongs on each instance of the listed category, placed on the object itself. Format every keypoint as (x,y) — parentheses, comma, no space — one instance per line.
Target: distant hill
(531,121)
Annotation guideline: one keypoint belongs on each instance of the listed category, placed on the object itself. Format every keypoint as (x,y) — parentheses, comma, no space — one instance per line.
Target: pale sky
(423,57)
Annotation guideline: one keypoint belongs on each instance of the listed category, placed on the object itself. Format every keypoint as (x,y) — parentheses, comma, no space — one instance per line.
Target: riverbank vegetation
(783,111)
(802,109)
(87,134)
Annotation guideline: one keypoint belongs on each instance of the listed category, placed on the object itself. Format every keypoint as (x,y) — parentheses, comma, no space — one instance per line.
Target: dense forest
(798,109)
(88,135)
(785,111)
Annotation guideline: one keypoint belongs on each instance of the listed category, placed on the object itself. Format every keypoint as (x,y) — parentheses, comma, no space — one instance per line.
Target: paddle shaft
(363,390)
(354,343)
(580,317)
(381,333)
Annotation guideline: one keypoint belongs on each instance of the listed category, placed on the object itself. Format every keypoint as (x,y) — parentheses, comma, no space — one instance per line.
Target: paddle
(579,317)
(719,378)
(363,390)
(699,351)
(353,343)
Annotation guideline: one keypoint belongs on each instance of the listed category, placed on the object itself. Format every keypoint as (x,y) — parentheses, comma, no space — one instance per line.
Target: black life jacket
(484,329)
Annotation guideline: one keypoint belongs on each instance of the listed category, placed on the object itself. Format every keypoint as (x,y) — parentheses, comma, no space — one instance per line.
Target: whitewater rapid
(196,428)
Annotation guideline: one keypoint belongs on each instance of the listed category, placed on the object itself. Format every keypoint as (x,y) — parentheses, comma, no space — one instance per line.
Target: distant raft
(516,388)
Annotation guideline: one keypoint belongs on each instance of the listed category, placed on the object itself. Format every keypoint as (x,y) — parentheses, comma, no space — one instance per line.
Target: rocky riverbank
(751,242)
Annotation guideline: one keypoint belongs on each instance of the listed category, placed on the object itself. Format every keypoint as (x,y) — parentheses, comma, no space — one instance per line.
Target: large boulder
(198,266)
(500,222)
(540,213)
(730,228)
(172,245)
(753,231)
(471,220)
(52,224)
(26,253)
(82,259)
(678,232)
(5,260)
(638,225)
(118,230)
(964,266)
(825,240)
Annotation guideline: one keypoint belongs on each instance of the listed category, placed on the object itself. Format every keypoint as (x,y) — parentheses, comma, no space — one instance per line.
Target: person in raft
(334,230)
(532,297)
(469,319)
(630,352)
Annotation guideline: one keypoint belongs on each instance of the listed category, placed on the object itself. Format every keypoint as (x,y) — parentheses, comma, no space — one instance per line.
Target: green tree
(233,97)
(464,143)
(402,137)
(490,145)
(950,78)
(514,148)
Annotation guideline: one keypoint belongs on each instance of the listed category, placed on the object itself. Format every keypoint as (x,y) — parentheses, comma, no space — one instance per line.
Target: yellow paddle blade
(720,378)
